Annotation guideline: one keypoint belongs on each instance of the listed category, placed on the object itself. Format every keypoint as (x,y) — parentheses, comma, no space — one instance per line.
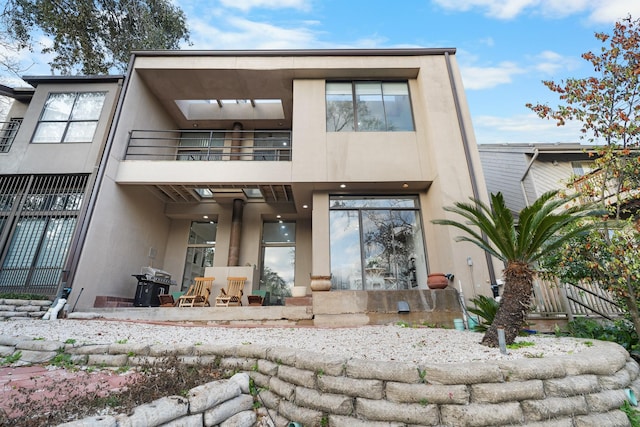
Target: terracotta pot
(320,283)
(437,281)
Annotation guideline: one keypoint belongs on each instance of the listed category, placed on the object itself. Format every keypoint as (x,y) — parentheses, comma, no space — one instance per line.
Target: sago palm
(542,227)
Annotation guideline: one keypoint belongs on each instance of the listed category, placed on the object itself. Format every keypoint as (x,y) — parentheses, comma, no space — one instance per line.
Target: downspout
(74,258)
(467,155)
(526,172)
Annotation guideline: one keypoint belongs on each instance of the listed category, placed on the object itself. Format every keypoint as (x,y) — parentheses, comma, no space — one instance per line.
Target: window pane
(372,202)
(203,233)
(278,270)
(49,132)
(279,232)
(376,247)
(346,266)
(397,107)
(198,258)
(58,106)
(370,107)
(339,107)
(88,106)
(80,131)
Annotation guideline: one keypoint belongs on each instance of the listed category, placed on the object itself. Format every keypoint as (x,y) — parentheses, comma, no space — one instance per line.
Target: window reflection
(376,244)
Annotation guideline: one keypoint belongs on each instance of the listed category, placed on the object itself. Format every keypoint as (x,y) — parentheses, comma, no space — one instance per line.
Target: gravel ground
(380,343)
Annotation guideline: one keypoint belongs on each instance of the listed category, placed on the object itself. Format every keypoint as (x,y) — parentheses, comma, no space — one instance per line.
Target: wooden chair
(233,294)
(198,293)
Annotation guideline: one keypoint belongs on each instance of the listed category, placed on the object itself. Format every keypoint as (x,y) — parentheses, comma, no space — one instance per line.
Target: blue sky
(505,48)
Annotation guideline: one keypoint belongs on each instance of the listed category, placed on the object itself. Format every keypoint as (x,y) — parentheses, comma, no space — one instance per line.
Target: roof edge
(36,80)
(300,52)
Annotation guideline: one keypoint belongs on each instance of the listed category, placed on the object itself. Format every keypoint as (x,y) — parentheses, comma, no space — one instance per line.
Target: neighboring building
(50,148)
(523,172)
(279,165)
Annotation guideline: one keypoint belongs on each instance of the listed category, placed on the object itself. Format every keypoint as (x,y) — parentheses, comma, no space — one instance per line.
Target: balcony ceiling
(171,85)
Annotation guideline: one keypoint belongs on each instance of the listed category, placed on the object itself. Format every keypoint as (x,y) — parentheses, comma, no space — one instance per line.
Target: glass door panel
(278,272)
(346,260)
(376,244)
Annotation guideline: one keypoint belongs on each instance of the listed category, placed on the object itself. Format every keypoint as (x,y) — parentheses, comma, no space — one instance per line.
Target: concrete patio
(330,309)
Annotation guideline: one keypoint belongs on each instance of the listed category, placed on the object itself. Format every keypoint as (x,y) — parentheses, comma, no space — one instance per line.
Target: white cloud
(500,9)
(523,128)
(599,11)
(551,63)
(475,77)
(246,5)
(609,11)
(246,34)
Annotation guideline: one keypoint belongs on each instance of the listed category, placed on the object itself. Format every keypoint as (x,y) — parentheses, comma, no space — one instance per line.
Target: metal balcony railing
(8,131)
(209,145)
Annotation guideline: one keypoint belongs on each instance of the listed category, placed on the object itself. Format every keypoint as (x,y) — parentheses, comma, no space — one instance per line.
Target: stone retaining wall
(581,390)
(23,308)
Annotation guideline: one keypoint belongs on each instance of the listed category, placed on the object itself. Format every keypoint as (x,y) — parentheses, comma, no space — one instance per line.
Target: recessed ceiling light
(205,216)
(343,185)
(305,206)
(278,216)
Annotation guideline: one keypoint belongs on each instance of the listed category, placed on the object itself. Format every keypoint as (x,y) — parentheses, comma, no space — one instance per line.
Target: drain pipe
(526,172)
(467,155)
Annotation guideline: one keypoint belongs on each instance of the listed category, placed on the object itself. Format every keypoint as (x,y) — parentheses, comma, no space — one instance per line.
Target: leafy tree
(542,227)
(95,36)
(608,106)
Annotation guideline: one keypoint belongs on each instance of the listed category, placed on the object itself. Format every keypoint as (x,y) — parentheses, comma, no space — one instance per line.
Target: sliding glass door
(376,243)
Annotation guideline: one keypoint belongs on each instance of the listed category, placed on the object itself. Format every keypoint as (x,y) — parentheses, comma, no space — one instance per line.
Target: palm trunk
(514,305)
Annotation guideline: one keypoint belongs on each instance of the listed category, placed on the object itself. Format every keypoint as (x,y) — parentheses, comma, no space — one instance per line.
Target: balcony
(209,145)
(8,131)
(593,188)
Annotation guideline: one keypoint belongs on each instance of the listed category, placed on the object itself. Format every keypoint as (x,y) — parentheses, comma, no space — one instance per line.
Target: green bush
(16,295)
(620,331)
(485,308)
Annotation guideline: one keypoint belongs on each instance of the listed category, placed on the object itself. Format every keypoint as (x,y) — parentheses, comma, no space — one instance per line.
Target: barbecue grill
(151,283)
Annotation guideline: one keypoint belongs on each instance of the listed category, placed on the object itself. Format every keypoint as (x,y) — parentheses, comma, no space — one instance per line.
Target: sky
(505,48)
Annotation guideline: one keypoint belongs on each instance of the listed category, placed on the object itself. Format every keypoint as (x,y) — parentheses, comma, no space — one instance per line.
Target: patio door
(376,243)
(201,249)
(278,260)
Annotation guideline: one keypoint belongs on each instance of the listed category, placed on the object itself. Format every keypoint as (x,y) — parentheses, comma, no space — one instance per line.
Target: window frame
(354,126)
(69,121)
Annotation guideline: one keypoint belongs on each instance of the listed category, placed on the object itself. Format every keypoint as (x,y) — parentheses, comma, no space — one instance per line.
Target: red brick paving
(39,383)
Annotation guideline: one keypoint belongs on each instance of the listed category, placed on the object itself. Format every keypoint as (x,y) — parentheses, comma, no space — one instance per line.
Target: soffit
(171,84)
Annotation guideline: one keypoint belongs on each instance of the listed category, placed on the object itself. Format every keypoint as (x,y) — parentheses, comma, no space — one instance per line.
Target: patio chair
(233,294)
(198,293)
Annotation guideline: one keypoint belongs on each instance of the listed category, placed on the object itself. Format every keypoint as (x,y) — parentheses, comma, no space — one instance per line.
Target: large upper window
(368,106)
(69,117)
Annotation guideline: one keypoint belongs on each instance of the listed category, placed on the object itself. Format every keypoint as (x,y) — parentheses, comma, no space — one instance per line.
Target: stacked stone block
(17,308)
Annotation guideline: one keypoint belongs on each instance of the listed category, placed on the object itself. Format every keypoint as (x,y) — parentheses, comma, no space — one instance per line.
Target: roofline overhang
(22,94)
(36,80)
(299,52)
(549,147)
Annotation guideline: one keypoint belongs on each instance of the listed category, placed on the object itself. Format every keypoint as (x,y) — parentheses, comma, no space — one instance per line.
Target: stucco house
(276,166)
